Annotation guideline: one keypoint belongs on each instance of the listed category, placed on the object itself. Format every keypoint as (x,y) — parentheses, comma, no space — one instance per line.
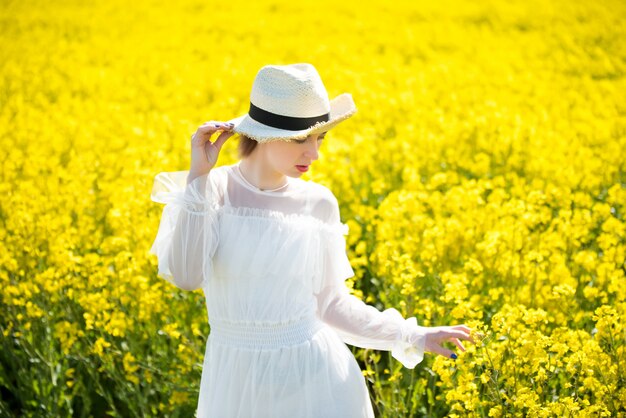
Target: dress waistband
(264,335)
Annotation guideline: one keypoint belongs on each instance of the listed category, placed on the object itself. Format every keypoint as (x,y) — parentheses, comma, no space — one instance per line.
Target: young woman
(268,250)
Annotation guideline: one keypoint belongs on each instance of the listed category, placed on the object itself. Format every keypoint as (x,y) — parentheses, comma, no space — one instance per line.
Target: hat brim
(341,108)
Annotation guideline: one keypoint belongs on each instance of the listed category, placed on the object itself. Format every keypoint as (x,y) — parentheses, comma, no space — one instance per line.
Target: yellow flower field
(483,180)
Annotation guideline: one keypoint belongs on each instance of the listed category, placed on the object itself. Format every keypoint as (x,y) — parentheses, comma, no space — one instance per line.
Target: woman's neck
(258,174)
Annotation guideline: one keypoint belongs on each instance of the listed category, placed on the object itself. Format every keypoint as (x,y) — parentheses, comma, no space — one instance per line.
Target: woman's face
(293,158)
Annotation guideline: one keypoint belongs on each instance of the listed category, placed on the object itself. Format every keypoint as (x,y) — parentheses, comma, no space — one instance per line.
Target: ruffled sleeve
(188,231)
(354,321)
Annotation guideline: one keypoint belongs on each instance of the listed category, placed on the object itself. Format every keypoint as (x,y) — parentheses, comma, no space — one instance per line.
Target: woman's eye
(302,141)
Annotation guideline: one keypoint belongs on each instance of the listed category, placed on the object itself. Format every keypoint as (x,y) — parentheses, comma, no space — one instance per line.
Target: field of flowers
(483,180)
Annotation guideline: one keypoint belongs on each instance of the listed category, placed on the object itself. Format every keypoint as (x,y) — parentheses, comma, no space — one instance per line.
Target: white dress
(272,266)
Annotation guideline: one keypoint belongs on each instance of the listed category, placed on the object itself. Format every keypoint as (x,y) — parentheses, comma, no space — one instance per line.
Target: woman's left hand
(436,336)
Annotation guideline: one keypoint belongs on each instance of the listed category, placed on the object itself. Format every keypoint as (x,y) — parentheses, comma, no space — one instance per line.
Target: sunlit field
(483,180)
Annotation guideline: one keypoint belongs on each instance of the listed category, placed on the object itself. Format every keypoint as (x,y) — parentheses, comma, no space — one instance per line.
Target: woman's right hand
(204,153)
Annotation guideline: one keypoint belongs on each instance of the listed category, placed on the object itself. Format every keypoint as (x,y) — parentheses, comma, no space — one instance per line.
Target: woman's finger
(222,138)
(213,126)
(213,123)
(206,130)
(458,344)
(463,327)
(442,351)
(457,334)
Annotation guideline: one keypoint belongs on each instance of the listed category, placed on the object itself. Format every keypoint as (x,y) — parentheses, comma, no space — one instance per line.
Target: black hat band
(288,123)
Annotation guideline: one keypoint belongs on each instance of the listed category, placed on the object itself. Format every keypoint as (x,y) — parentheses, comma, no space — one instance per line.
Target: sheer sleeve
(354,321)
(188,231)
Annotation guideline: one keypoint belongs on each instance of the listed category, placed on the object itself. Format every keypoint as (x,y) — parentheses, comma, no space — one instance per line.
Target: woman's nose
(311,151)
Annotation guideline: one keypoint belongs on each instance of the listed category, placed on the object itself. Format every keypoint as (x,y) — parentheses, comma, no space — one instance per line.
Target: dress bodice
(271,250)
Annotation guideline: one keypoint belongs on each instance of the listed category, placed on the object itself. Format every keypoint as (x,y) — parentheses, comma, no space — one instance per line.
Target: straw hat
(290,102)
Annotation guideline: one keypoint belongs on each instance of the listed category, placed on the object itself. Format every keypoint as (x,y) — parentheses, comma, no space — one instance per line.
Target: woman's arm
(188,233)
(365,326)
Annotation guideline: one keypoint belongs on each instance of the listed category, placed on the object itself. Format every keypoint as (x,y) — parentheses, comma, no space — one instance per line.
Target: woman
(268,250)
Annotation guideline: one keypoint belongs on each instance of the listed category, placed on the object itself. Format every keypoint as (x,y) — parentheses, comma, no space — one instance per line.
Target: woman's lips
(302,168)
